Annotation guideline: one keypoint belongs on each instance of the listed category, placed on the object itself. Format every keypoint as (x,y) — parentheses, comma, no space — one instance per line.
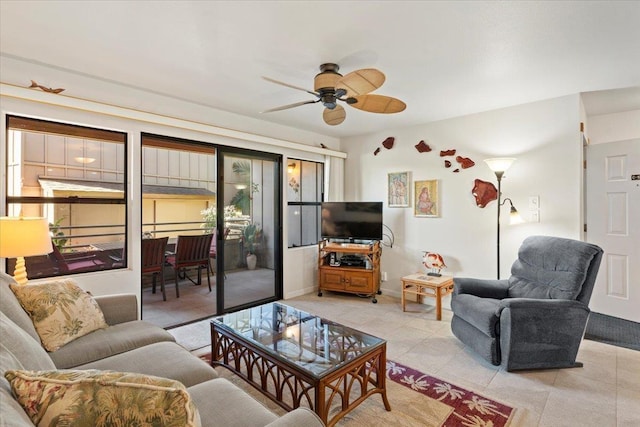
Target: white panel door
(613,223)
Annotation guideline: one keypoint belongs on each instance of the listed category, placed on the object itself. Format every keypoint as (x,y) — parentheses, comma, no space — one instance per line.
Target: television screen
(352,220)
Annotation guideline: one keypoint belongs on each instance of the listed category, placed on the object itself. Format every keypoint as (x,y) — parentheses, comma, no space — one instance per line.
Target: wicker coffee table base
(331,397)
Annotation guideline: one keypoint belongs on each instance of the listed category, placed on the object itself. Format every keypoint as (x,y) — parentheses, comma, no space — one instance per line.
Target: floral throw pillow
(102,398)
(60,311)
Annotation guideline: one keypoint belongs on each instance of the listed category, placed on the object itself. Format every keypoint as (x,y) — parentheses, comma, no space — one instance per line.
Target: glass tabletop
(316,345)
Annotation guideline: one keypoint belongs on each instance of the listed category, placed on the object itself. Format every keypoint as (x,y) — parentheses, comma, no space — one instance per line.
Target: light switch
(535,216)
(534,203)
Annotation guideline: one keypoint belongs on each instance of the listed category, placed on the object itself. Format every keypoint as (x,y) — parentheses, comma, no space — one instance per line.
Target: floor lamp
(22,237)
(499,166)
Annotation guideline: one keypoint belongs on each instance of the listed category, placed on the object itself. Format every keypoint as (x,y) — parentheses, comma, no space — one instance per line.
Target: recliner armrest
(541,333)
(118,308)
(541,304)
(497,289)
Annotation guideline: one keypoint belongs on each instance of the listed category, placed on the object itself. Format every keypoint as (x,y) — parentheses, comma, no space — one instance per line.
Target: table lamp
(21,237)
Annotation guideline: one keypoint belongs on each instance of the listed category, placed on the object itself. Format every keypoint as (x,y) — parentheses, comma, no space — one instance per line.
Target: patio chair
(536,319)
(76,262)
(191,251)
(153,253)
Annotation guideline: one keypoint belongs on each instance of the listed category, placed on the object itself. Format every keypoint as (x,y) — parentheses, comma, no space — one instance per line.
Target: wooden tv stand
(361,280)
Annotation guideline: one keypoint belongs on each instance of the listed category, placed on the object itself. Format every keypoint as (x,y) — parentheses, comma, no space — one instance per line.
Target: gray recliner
(535,319)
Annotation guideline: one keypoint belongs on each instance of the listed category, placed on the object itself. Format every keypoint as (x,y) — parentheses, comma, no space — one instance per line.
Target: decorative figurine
(465,162)
(433,262)
(422,147)
(44,88)
(484,192)
(388,143)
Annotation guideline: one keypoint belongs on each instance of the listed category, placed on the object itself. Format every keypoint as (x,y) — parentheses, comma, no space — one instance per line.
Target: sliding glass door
(178,201)
(249,258)
(195,189)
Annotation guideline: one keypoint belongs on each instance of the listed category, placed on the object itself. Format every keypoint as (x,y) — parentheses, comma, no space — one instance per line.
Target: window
(74,176)
(305,191)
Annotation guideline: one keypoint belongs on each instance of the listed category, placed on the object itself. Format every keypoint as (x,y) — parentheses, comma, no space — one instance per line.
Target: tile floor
(605,392)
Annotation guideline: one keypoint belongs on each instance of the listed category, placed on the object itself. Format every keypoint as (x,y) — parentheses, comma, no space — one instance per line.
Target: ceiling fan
(353,89)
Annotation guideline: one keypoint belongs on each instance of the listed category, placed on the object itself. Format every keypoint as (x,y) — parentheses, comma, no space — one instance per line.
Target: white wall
(13,72)
(543,136)
(614,127)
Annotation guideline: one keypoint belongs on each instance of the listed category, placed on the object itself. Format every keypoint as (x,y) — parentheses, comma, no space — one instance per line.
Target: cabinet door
(359,282)
(332,279)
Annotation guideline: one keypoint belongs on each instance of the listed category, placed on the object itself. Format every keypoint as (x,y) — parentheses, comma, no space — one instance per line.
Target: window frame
(65,130)
(319,184)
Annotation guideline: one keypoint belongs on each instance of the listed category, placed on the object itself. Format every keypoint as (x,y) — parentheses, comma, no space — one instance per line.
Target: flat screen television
(352,220)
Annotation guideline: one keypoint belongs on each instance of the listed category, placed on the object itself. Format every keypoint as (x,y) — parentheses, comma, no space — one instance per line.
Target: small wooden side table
(422,285)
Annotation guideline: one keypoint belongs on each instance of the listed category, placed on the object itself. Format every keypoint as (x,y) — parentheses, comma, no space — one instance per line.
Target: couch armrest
(298,417)
(496,289)
(119,308)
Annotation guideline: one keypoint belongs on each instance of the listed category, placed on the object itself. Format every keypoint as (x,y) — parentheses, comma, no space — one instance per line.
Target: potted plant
(209,218)
(246,188)
(57,237)
(251,235)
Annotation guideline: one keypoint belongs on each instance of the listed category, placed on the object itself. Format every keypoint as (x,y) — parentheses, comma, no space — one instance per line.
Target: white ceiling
(444,59)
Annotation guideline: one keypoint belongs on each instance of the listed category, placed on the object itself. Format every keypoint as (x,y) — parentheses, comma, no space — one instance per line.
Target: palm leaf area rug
(416,399)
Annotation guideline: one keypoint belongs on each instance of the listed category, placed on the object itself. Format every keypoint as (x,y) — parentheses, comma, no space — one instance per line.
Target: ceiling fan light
(334,116)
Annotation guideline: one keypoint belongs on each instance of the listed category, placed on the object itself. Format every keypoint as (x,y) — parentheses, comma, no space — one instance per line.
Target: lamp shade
(500,164)
(514,217)
(24,236)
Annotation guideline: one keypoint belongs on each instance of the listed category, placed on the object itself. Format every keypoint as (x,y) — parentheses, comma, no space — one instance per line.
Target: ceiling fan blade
(379,104)
(286,107)
(335,116)
(289,85)
(362,81)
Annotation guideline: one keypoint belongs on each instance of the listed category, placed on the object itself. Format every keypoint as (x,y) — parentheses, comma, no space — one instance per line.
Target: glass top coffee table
(298,359)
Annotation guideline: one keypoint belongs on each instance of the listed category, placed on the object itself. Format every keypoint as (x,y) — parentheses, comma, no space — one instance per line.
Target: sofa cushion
(11,413)
(10,306)
(107,342)
(97,398)
(222,403)
(25,349)
(550,268)
(61,311)
(163,359)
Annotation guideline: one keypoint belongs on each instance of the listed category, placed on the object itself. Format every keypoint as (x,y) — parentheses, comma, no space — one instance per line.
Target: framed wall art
(399,189)
(427,199)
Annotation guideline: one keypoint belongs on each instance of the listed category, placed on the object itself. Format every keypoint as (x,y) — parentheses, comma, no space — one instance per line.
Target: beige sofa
(127,345)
